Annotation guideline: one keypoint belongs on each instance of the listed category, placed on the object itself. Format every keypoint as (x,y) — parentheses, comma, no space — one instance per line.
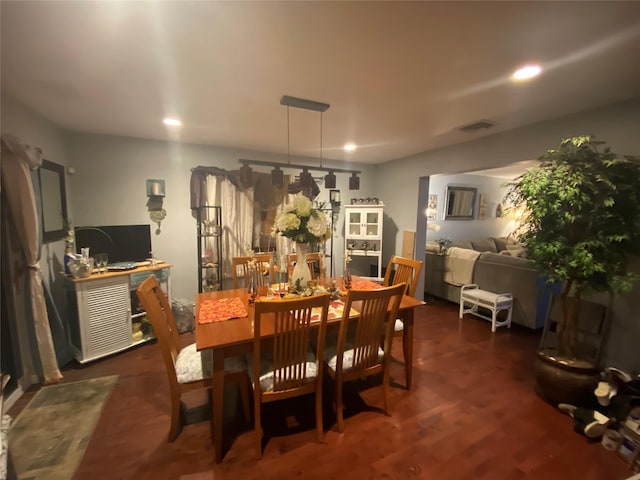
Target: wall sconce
(432,207)
(155,188)
(156,192)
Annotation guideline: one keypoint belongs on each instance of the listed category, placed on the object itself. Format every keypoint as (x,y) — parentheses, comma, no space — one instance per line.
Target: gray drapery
(199,189)
(17,161)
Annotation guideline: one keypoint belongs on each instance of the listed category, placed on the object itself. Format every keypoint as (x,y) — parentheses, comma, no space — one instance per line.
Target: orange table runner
(219,310)
(365,285)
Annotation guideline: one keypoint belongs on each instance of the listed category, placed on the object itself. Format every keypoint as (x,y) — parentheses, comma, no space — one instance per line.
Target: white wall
(109,188)
(109,184)
(397,181)
(493,191)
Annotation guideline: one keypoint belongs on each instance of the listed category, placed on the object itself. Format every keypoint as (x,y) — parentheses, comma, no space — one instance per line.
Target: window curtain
(18,160)
(237,217)
(248,212)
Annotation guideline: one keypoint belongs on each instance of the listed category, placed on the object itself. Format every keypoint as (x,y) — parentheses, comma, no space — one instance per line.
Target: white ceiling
(401,78)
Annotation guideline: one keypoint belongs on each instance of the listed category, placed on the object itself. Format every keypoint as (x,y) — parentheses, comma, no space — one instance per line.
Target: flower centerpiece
(304,224)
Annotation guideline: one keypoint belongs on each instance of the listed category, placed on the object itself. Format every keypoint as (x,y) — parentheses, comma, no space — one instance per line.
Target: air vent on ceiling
(479,125)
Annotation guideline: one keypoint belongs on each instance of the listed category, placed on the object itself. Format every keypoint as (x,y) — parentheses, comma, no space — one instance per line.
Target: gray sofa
(498,273)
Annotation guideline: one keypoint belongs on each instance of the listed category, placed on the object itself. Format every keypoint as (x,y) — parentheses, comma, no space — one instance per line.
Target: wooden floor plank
(472,414)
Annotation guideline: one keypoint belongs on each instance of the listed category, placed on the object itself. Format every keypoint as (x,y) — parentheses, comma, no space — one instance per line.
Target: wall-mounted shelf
(209,249)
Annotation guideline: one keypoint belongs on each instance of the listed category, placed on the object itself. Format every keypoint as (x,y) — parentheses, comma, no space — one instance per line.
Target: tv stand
(104,308)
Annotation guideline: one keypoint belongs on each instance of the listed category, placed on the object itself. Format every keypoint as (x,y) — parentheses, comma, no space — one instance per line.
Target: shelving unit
(209,249)
(363,232)
(104,308)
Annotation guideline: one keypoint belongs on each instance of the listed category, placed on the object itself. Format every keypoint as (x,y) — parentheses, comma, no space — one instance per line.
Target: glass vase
(252,287)
(301,273)
(346,278)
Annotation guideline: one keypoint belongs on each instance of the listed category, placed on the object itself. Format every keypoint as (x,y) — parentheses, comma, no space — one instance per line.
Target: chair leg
(174,429)
(257,425)
(244,386)
(319,424)
(339,406)
(386,389)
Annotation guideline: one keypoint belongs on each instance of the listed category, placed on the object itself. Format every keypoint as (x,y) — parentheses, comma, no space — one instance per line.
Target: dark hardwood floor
(472,414)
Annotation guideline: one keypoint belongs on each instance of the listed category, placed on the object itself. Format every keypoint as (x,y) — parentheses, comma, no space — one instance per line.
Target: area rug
(48,438)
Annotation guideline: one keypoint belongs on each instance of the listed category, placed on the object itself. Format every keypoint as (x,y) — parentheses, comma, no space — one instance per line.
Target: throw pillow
(433,247)
(484,245)
(463,244)
(516,251)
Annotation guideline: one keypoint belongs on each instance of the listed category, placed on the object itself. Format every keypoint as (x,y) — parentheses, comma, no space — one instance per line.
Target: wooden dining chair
(313,261)
(407,271)
(184,365)
(288,366)
(360,355)
(240,269)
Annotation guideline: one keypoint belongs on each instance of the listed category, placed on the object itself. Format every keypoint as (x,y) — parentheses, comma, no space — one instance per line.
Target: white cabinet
(363,232)
(103,309)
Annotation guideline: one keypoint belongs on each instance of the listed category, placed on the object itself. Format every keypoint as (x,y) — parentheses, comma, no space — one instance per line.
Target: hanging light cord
(320,139)
(288,139)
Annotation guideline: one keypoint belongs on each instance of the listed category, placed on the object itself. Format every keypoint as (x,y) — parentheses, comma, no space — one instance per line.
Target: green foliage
(581,222)
(582,215)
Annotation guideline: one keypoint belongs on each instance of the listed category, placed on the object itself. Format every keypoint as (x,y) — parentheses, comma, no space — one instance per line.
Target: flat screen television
(123,243)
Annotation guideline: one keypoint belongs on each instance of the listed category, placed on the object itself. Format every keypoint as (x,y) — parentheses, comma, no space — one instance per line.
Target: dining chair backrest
(403,270)
(375,307)
(159,313)
(294,321)
(240,269)
(285,364)
(186,362)
(313,261)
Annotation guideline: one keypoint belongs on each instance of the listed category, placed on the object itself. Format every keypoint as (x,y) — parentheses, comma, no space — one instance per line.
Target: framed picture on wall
(53,201)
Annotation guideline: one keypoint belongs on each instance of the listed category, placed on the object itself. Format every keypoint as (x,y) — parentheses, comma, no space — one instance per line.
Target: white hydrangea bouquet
(301,222)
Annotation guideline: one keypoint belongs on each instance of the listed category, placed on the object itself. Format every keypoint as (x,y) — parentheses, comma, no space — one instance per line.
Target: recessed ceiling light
(172,122)
(527,72)
(350,147)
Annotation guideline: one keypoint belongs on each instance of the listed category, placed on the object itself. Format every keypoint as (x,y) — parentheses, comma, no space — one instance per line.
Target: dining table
(234,336)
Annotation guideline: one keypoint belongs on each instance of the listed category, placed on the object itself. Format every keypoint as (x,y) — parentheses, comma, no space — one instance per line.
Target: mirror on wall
(460,203)
(54,201)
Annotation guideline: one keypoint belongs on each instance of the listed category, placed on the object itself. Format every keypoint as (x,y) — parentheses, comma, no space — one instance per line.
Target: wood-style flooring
(472,414)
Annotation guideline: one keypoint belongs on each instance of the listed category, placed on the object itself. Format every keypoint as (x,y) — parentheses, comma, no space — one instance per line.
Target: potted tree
(581,222)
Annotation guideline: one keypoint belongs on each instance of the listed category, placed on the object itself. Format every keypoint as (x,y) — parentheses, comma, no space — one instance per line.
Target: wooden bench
(495,302)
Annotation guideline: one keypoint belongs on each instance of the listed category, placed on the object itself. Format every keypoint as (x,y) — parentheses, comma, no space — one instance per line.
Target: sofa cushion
(433,247)
(516,251)
(502,242)
(503,259)
(484,245)
(462,244)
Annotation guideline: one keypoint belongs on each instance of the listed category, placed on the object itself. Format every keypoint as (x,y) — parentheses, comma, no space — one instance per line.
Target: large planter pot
(561,380)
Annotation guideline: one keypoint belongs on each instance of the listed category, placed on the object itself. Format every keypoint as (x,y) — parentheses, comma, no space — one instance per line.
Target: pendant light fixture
(306,179)
(354,182)
(246,176)
(277,175)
